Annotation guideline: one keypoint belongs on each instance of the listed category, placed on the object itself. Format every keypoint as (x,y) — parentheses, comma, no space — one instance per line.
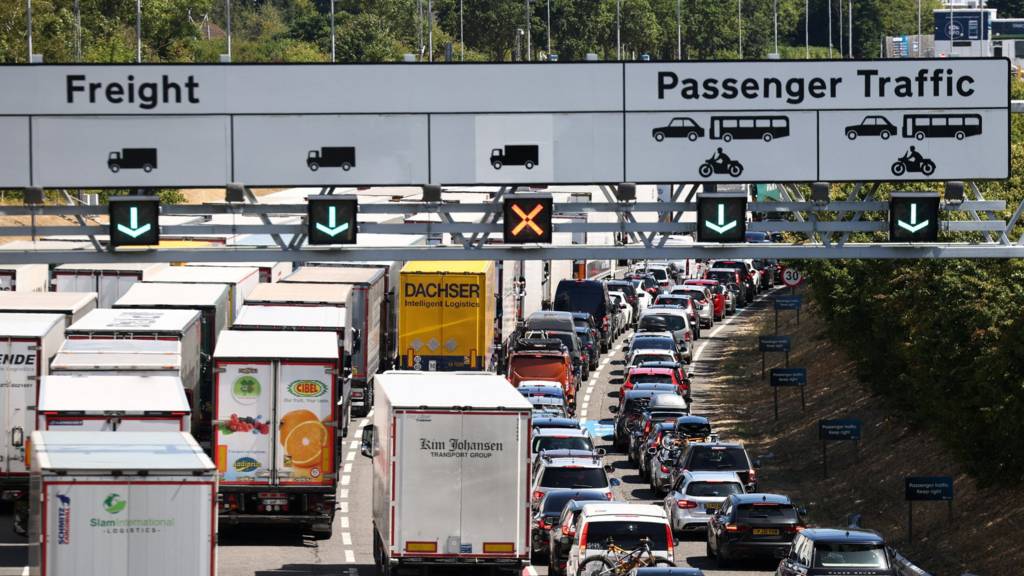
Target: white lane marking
(606,360)
(343,507)
(346,539)
(345,480)
(350,456)
(348,468)
(530,571)
(350,557)
(25,571)
(344,521)
(724,323)
(343,494)
(353,445)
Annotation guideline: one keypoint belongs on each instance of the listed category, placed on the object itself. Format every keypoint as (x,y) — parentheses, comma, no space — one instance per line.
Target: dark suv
(628,413)
(753,525)
(829,552)
(719,457)
(743,269)
(588,296)
(627,288)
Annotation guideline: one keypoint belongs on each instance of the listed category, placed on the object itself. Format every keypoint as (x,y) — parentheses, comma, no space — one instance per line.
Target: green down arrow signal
(332,230)
(914,225)
(133,229)
(722,227)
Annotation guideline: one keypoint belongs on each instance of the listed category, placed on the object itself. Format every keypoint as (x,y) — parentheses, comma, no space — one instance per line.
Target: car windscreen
(844,555)
(561,443)
(658,273)
(671,300)
(722,276)
(772,511)
(718,458)
(641,358)
(626,534)
(623,286)
(659,343)
(581,323)
(567,340)
(588,296)
(693,430)
(664,416)
(555,502)
(574,478)
(584,336)
(713,489)
(695,294)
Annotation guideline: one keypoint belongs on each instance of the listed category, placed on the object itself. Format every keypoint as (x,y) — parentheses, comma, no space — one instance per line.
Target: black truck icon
(515,155)
(343,157)
(132,158)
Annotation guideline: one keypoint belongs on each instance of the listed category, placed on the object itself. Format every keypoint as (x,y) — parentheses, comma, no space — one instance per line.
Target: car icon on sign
(679,128)
(872,126)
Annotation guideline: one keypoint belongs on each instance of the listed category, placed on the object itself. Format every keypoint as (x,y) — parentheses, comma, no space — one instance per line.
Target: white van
(624,526)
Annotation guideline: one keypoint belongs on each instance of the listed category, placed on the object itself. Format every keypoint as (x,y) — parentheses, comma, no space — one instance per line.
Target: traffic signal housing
(331,219)
(134,221)
(527,219)
(722,217)
(914,217)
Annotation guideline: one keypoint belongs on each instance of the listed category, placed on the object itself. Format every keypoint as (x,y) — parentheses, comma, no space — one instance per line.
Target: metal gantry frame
(826,237)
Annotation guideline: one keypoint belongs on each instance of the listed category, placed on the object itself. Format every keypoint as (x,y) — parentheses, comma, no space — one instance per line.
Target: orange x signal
(527,219)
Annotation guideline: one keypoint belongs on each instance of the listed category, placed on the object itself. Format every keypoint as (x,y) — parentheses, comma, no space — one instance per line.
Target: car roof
(841,535)
(598,511)
(691,419)
(531,385)
(592,494)
(668,364)
(668,401)
(544,401)
(552,460)
(759,498)
(721,270)
(634,394)
(658,334)
(661,309)
(557,422)
(654,352)
(651,371)
(581,315)
(702,476)
(560,432)
(579,504)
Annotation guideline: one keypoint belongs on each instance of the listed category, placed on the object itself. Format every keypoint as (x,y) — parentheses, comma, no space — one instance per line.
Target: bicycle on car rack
(619,562)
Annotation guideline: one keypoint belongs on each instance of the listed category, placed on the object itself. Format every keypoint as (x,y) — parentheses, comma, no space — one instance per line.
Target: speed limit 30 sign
(791,277)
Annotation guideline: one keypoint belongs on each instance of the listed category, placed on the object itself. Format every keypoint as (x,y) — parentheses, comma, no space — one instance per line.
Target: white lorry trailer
(73,305)
(241,281)
(109,403)
(446,446)
(109,281)
(269,271)
(367,315)
(112,357)
(24,277)
(121,505)
(276,425)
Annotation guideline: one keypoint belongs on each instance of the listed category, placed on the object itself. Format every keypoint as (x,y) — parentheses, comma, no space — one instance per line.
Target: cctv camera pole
(78,32)
(28,24)
(138,31)
(849,19)
(679,31)
(618,29)
(430,30)
(332,31)
(775,23)
(739,13)
(529,45)
(549,27)
(807,29)
(462,38)
(227,14)
(830,29)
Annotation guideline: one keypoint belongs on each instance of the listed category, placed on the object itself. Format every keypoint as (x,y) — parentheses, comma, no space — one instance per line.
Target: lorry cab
(543,359)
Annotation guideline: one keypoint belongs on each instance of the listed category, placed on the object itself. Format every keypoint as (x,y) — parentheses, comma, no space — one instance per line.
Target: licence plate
(712,506)
(275,501)
(766,531)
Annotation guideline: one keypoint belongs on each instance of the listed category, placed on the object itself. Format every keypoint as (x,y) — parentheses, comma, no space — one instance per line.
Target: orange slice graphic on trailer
(305,443)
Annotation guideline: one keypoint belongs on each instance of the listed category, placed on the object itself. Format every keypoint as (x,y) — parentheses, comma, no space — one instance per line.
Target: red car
(657,375)
(717,294)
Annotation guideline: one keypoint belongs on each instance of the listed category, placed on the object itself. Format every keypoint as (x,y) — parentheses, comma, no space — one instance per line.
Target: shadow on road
(264,536)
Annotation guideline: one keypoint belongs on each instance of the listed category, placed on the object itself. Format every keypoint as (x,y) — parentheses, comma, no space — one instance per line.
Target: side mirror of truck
(366,445)
(357,341)
(613,409)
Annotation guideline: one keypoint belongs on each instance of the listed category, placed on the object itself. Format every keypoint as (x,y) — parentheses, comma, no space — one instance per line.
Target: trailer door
(244,432)
(306,424)
(494,479)
(462,338)
(428,472)
(18,384)
(74,282)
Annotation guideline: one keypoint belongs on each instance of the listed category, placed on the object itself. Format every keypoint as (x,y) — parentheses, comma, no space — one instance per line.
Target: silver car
(662,463)
(697,496)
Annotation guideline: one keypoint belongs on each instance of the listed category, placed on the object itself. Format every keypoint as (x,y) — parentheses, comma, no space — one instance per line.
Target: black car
(753,526)
(679,127)
(627,414)
(587,341)
(720,457)
(575,347)
(653,440)
(548,514)
(563,532)
(744,273)
(769,272)
(590,296)
(830,552)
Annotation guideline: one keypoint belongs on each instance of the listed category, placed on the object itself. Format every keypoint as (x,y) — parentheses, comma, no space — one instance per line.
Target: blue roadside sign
(789,377)
(839,429)
(787,302)
(929,488)
(773,343)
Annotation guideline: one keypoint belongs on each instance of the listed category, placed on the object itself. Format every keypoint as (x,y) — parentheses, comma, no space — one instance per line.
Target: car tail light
(752,474)
(687,336)
(647,428)
(686,504)
(794,529)
(609,495)
(537,494)
(543,524)
(735,528)
(668,538)
(568,531)
(604,322)
(583,539)
(664,469)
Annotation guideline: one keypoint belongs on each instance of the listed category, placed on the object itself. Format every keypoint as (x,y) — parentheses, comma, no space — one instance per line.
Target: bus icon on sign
(959,126)
(765,128)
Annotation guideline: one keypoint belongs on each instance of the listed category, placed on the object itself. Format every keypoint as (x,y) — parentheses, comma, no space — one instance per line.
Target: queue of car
(706,484)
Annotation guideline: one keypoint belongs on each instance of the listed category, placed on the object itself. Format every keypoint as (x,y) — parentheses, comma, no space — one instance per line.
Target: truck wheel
(314,166)
(496,164)
(346,166)
(115,168)
(147,168)
(529,164)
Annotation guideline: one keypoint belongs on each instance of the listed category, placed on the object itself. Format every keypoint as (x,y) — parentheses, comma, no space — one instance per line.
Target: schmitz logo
(307,388)
(64,519)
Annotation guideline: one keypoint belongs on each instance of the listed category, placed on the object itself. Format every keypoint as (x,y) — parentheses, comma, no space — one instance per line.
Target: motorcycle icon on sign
(913,161)
(720,163)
